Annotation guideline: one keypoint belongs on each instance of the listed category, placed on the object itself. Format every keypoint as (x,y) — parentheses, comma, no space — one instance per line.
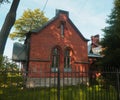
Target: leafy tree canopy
(7,65)
(4,1)
(30,20)
(111,40)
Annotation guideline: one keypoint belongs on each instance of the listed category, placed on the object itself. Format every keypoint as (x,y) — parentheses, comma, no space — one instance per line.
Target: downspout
(28,52)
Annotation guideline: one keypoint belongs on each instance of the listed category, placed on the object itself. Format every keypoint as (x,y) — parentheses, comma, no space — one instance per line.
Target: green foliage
(30,20)
(111,40)
(8,72)
(67,93)
(11,79)
(4,1)
(7,65)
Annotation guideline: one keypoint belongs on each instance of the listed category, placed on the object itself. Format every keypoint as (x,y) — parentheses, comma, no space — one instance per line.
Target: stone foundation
(52,82)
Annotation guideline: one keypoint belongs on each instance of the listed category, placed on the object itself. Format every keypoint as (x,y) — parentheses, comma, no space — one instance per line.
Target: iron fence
(60,85)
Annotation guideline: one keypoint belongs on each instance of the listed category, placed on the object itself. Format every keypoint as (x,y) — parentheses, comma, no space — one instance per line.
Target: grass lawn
(80,92)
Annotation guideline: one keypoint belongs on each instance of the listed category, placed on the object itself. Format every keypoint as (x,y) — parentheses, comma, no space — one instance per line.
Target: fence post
(118,85)
(58,85)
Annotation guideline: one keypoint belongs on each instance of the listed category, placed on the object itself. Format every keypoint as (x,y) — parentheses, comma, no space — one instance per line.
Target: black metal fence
(60,85)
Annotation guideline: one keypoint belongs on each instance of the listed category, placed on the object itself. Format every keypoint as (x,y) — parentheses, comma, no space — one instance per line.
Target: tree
(4,1)
(111,40)
(9,21)
(10,76)
(30,20)
(7,65)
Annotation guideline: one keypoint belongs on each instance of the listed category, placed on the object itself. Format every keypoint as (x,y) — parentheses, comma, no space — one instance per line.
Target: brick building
(58,45)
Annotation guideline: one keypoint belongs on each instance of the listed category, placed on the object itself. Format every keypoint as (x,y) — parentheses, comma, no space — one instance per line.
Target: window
(55,59)
(62,29)
(67,59)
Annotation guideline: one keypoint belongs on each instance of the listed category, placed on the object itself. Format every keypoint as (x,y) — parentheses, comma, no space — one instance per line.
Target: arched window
(55,58)
(62,29)
(67,58)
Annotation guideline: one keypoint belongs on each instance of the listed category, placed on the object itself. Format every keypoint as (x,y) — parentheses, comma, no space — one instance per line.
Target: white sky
(89,16)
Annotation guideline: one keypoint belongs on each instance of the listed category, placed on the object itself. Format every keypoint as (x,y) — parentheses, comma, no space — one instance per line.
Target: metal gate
(60,85)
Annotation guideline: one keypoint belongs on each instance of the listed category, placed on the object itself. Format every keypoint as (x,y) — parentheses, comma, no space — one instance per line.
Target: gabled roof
(19,52)
(58,12)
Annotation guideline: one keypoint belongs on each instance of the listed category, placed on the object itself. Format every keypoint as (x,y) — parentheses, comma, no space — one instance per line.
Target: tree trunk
(8,23)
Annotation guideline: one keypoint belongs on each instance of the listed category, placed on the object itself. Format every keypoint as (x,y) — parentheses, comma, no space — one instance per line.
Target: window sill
(54,69)
(67,70)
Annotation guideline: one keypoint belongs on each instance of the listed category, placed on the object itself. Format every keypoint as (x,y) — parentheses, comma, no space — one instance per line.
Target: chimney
(58,12)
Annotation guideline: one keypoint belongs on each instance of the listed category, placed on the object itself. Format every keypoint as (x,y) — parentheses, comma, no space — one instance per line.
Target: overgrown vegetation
(7,65)
(9,74)
(67,93)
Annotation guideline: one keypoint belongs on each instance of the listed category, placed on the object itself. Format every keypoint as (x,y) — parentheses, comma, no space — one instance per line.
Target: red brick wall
(42,43)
